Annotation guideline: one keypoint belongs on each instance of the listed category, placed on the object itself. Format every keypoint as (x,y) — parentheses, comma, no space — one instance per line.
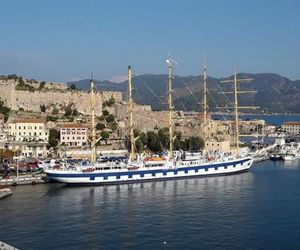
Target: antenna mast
(94,153)
(130,104)
(170,95)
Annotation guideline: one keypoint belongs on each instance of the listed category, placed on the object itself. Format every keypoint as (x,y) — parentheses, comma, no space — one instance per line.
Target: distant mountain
(275,93)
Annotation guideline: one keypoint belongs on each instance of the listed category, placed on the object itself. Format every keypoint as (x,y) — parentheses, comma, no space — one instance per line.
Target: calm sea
(259,209)
(270,119)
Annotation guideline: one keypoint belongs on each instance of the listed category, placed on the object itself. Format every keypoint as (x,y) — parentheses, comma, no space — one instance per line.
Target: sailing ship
(173,166)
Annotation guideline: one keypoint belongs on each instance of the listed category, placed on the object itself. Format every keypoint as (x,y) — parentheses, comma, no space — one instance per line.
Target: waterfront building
(292,127)
(29,149)
(28,130)
(73,135)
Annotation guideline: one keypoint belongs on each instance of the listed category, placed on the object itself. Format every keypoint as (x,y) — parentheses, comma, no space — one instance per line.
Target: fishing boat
(138,169)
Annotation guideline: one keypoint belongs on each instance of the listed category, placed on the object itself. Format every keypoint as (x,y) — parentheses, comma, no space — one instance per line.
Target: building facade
(30,149)
(28,130)
(75,135)
(292,127)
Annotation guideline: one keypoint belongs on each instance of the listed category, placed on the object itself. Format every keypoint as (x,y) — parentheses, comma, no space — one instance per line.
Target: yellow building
(28,130)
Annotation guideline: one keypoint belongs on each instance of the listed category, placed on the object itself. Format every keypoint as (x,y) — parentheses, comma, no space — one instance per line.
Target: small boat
(289,157)
(276,157)
(4,192)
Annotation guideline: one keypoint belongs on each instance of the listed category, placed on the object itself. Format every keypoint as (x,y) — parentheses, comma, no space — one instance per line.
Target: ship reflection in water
(239,211)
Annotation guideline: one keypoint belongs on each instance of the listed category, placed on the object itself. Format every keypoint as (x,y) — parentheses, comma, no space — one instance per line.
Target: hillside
(275,93)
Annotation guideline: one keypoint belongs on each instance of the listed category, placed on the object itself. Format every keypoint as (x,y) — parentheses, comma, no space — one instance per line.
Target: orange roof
(72,125)
(32,120)
(292,123)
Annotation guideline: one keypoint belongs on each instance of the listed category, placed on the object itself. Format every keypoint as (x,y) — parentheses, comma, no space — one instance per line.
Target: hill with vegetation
(275,93)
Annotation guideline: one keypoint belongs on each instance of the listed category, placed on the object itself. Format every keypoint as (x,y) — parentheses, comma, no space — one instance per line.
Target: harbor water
(259,209)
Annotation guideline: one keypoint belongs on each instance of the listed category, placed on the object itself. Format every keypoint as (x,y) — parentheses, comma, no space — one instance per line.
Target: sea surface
(276,120)
(259,209)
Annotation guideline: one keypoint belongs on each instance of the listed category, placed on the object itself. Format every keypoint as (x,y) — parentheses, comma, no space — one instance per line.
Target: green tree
(42,85)
(197,143)
(153,142)
(105,112)
(4,110)
(73,87)
(113,126)
(68,111)
(43,108)
(178,143)
(139,146)
(55,111)
(100,126)
(104,136)
(163,135)
(75,112)
(53,137)
(110,118)
(51,118)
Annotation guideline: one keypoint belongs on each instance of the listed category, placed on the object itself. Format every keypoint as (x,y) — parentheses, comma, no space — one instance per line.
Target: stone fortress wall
(52,95)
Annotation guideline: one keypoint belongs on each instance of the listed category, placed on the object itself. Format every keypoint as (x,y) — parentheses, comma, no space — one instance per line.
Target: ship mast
(170,95)
(130,105)
(205,104)
(236,111)
(93,156)
(236,107)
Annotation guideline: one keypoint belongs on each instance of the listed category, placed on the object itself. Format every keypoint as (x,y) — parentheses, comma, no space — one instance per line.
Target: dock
(23,180)
(4,246)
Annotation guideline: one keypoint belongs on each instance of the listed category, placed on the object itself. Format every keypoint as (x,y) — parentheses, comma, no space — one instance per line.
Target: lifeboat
(133,167)
(87,170)
(154,160)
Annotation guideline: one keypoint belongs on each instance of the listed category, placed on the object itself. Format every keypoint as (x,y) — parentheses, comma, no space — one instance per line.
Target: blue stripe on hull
(156,179)
(141,173)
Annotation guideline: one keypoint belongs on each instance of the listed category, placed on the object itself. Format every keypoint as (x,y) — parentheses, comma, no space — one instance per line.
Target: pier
(4,246)
(22,180)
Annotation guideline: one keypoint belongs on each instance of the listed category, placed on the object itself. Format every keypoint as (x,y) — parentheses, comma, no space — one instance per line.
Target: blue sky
(62,40)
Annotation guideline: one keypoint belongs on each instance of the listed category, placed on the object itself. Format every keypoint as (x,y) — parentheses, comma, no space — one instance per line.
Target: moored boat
(149,168)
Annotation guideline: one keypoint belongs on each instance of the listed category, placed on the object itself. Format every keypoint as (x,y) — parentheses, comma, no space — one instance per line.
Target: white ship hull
(118,176)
